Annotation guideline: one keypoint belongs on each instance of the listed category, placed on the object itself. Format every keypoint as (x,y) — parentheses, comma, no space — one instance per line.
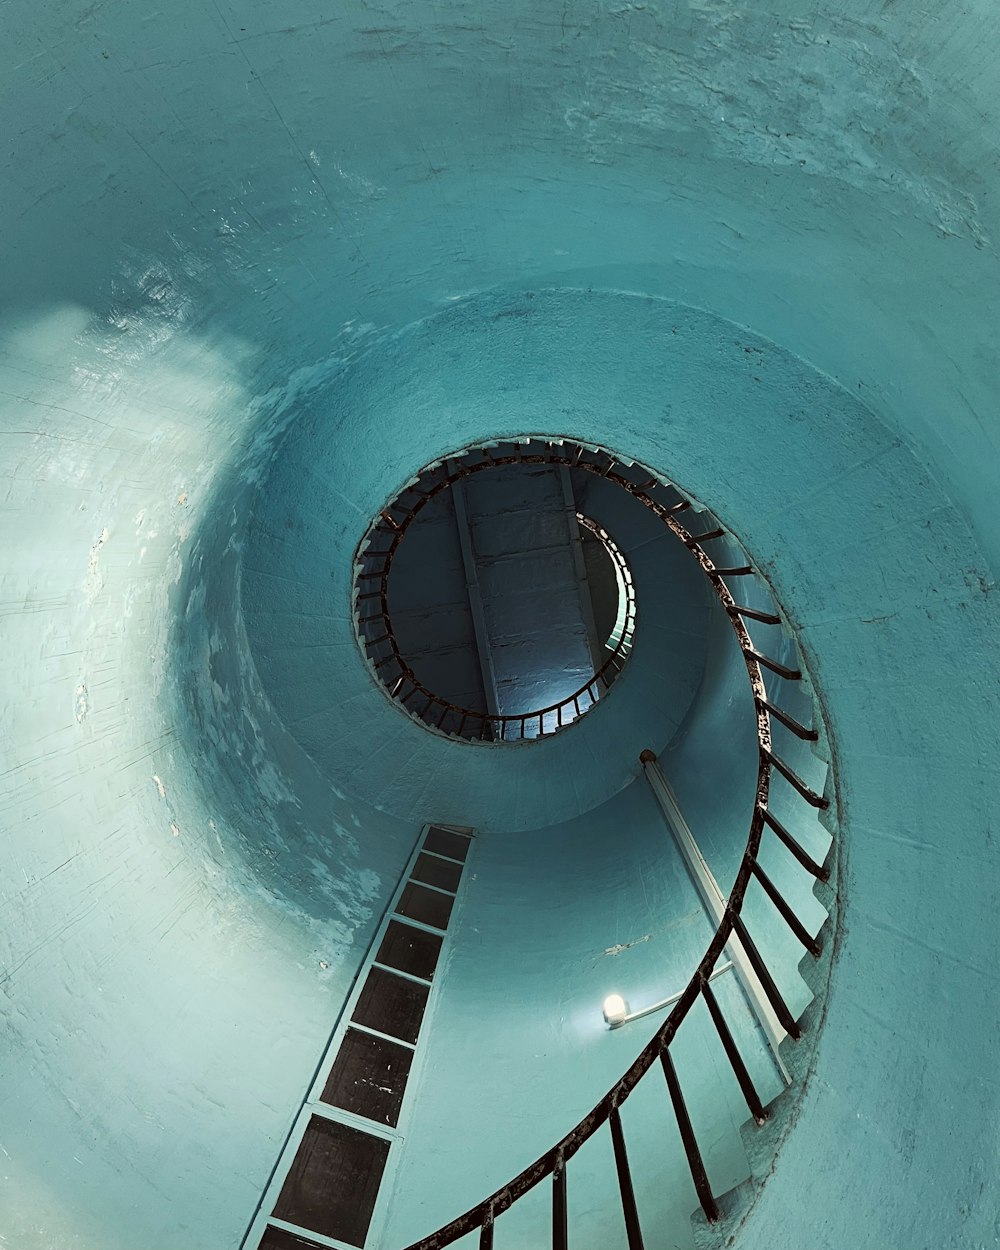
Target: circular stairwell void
(487,604)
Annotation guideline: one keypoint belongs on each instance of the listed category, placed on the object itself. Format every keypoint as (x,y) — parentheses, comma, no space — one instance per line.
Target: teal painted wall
(225,223)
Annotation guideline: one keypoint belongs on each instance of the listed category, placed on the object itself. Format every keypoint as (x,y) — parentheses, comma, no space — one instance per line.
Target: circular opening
(488,603)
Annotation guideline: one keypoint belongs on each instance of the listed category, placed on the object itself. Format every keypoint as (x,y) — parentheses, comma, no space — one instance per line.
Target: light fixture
(615,1010)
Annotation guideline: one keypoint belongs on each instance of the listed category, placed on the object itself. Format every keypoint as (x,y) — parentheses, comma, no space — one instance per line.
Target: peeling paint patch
(95,581)
(82,703)
(625,946)
(92,564)
(161,789)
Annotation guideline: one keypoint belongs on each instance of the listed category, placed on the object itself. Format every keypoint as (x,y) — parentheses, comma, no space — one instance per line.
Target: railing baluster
(810,795)
(629,1209)
(486,1233)
(806,860)
(755,614)
(743,570)
(794,923)
(560,1220)
(789,674)
(743,1078)
(695,1162)
(704,538)
(785,1017)
(800,731)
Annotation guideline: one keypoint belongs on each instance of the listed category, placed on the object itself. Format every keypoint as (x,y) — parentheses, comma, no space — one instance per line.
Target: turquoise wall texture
(262,263)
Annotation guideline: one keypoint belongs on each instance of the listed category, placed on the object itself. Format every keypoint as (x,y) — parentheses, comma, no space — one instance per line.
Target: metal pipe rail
(555,1162)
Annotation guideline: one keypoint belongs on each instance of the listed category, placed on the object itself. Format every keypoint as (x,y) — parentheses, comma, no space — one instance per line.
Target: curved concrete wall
(472,372)
(210,215)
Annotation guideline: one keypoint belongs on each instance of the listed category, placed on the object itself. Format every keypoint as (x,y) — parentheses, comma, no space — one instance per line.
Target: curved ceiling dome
(264,263)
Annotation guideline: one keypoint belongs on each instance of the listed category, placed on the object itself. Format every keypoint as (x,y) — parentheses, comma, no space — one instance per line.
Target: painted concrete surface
(219,221)
(185,900)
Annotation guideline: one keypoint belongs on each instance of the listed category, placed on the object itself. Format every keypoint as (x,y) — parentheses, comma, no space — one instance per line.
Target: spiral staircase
(262,267)
(773,881)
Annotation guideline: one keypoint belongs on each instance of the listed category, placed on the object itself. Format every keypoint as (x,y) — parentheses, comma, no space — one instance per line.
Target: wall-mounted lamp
(615,1010)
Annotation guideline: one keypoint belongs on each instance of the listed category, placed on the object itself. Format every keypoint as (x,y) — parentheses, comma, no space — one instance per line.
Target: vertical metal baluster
(784,910)
(754,1104)
(629,1209)
(695,1162)
(560,1225)
(486,1233)
(807,861)
(785,1017)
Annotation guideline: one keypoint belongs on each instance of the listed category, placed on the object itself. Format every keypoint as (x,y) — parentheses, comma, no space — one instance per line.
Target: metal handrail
(553,1162)
(404,684)
(626,617)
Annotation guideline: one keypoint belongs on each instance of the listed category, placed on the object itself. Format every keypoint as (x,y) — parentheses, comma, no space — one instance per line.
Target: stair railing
(553,1165)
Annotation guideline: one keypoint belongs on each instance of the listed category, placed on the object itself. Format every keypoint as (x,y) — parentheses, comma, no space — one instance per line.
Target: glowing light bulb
(615,1010)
